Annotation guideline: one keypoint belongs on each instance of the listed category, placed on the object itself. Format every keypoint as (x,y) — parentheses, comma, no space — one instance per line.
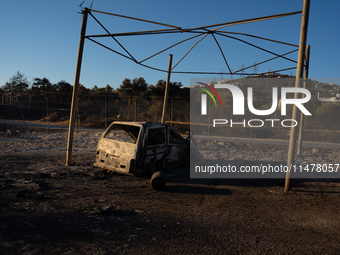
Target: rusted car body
(141,148)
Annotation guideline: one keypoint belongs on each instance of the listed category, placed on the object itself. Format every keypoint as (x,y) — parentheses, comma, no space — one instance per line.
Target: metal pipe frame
(144,20)
(166,93)
(245,68)
(75,88)
(204,33)
(222,25)
(299,75)
(112,37)
(174,29)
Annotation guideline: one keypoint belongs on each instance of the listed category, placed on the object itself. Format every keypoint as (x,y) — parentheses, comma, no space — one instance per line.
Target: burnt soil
(49,208)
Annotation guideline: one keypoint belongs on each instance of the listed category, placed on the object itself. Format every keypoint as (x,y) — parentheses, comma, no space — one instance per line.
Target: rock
(104,209)
(11,133)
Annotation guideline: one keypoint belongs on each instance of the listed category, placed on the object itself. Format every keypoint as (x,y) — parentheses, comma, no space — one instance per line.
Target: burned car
(141,148)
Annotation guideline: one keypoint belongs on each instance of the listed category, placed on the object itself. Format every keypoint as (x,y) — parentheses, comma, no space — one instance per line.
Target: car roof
(135,123)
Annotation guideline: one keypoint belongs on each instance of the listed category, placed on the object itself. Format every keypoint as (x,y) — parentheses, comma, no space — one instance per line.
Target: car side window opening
(176,138)
(156,136)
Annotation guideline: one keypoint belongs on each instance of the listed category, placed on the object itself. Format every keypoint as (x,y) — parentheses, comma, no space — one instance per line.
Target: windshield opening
(123,133)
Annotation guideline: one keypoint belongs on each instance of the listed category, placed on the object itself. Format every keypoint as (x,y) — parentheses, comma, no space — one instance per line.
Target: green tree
(17,83)
(43,84)
(136,88)
(98,91)
(176,89)
(108,89)
(83,90)
(9,87)
(63,86)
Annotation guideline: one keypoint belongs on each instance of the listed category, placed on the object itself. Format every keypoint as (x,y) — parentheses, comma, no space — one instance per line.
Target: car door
(155,146)
(178,149)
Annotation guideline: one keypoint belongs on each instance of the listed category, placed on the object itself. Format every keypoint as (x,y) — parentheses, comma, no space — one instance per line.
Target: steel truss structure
(200,34)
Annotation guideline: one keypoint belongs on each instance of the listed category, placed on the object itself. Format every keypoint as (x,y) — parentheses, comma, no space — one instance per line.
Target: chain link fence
(93,110)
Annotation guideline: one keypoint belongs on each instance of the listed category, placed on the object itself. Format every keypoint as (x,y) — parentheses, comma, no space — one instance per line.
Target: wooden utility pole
(75,88)
(299,75)
(166,89)
(302,116)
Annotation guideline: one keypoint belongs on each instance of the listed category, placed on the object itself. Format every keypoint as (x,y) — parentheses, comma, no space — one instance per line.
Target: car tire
(157,181)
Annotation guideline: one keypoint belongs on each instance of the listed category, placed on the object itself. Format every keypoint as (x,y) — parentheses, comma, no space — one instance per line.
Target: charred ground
(47,207)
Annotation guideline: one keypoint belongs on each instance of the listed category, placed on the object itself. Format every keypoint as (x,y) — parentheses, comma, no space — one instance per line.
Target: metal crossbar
(202,32)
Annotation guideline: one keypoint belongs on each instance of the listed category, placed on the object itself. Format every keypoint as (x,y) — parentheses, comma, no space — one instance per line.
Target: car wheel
(158,181)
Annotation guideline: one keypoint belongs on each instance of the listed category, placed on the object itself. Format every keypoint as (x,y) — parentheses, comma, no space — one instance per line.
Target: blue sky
(40,39)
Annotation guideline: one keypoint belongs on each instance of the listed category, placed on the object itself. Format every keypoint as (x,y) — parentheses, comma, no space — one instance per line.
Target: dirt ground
(49,208)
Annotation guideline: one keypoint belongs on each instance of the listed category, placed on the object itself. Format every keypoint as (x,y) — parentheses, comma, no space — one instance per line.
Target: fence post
(47,114)
(172,110)
(135,114)
(105,114)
